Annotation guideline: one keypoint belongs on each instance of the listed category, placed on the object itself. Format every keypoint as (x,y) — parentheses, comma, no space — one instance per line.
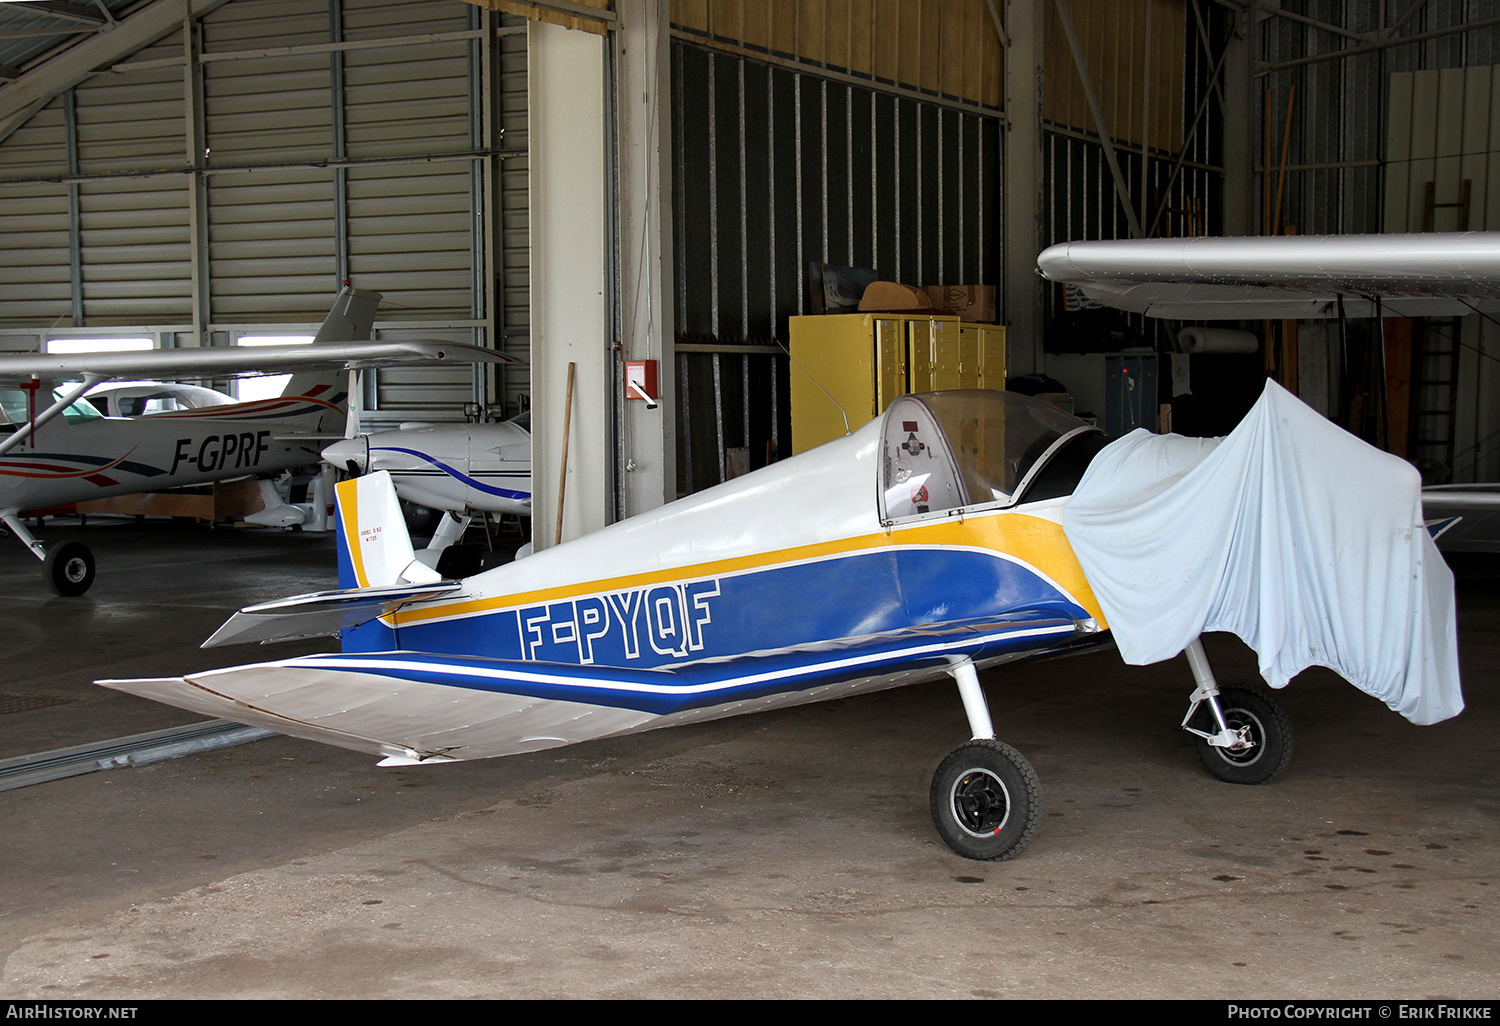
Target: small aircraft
(461,469)
(139,398)
(930,542)
(60,449)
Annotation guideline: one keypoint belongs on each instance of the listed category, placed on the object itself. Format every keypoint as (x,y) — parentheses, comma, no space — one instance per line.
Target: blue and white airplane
(928,543)
(910,559)
(461,469)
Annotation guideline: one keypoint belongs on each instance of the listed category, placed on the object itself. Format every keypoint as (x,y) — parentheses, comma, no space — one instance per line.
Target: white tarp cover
(1291,533)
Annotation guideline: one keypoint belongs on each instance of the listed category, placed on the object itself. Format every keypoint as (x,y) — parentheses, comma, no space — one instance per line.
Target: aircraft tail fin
(352,319)
(378,574)
(375,550)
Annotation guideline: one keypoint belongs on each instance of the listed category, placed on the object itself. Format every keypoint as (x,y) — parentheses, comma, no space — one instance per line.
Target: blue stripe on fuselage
(851,595)
(504,493)
(709,682)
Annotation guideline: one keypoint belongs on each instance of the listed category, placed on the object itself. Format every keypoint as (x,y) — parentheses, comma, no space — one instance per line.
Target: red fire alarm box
(641,381)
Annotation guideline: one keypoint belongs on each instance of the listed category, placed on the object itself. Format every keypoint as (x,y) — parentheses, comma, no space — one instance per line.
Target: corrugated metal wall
(1333,182)
(1175,184)
(1365,129)
(776,169)
(369,158)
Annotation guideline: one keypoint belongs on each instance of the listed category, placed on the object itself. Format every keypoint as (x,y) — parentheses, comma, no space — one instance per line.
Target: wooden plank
(1424,101)
(1398,154)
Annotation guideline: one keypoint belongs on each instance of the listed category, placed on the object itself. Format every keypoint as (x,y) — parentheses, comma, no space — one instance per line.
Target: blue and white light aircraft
(57,448)
(911,558)
(461,469)
(928,543)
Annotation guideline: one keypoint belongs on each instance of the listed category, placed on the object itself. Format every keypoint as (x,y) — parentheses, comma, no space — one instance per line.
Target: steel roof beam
(36,88)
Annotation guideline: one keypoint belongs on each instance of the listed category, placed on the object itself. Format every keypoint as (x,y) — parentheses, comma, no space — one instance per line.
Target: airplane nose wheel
(986,801)
(1265,745)
(69,569)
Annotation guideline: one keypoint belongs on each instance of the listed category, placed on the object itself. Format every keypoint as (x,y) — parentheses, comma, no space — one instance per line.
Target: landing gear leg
(1244,736)
(68,568)
(986,799)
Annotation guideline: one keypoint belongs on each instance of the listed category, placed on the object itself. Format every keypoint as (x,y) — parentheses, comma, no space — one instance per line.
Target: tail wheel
(69,569)
(1267,744)
(986,801)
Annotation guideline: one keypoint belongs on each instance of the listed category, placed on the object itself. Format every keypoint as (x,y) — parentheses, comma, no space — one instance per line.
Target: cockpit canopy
(969,450)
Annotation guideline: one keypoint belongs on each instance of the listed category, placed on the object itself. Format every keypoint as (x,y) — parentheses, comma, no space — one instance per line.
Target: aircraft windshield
(963,449)
(15,409)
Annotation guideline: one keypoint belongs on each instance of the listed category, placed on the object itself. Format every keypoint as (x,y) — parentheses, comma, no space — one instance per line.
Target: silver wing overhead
(1431,274)
(236,361)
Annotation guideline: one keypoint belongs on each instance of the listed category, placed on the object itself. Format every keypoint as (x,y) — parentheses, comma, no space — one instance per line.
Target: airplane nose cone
(352,454)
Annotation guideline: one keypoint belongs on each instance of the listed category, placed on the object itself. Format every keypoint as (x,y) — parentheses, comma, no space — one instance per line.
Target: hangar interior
(580,184)
(196,174)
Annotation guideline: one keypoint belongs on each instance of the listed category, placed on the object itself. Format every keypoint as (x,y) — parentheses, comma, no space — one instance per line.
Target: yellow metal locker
(855,365)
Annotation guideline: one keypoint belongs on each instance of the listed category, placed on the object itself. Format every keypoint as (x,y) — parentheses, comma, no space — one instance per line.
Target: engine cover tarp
(1289,532)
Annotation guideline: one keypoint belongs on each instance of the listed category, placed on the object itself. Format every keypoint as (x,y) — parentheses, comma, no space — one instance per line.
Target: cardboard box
(970,302)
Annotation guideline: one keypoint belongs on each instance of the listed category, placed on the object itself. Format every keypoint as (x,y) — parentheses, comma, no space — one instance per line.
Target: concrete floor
(781,855)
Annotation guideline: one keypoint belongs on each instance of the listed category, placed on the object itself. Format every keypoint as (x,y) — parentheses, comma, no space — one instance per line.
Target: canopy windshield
(966,449)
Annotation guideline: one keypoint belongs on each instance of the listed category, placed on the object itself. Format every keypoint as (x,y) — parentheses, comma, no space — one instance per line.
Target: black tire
(69,569)
(986,801)
(1270,730)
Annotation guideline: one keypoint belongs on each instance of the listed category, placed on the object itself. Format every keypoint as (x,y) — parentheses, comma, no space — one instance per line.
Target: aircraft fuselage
(73,461)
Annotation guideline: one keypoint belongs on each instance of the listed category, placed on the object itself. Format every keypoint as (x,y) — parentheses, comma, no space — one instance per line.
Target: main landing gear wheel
(69,569)
(1267,747)
(986,801)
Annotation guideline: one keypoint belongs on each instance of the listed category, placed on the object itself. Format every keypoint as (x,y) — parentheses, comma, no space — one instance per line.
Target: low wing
(410,706)
(1428,274)
(236,361)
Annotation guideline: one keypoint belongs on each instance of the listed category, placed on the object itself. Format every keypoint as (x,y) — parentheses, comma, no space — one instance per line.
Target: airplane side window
(78,412)
(13,409)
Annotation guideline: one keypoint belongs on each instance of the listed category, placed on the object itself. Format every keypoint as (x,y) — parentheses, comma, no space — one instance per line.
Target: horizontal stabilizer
(321,613)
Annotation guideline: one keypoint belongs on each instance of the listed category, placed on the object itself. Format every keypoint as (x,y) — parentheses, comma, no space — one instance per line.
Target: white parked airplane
(931,542)
(461,469)
(59,449)
(957,531)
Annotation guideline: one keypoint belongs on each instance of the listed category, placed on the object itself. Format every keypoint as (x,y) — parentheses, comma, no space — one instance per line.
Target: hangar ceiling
(225,177)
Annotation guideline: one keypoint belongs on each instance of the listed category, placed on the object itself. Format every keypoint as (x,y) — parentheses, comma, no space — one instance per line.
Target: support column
(1022,186)
(1241,128)
(195,134)
(569,289)
(643,80)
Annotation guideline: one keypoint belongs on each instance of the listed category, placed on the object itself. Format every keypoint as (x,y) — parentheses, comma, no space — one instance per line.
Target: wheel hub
(981,804)
(1246,748)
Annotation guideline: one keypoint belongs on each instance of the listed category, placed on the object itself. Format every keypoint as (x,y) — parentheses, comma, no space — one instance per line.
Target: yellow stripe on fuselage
(1034,541)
